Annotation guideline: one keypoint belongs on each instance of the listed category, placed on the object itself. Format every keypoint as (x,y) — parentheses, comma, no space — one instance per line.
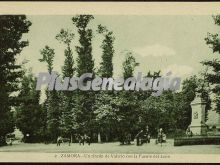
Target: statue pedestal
(198,126)
(198,129)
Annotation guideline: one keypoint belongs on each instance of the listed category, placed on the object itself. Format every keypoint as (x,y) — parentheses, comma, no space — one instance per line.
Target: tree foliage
(51,104)
(68,97)
(12,28)
(85,64)
(106,68)
(48,57)
(29,115)
(213,76)
(114,114)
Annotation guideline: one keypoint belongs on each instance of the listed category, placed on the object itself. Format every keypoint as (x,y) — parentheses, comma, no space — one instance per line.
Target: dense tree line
(103,115)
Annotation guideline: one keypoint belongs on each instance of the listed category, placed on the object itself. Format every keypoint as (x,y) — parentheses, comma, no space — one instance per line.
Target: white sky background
(166,43)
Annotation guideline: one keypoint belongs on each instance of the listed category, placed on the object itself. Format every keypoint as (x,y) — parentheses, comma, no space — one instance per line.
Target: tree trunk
(106,137)
(99,138)
(71,138)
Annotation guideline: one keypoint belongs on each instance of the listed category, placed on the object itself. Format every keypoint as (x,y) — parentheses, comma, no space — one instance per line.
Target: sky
(166,43)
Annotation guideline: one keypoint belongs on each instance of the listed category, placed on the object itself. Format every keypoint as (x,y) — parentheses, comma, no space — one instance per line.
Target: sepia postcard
(110,82)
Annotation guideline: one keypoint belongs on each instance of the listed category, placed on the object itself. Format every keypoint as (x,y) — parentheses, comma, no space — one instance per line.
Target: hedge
(196,140)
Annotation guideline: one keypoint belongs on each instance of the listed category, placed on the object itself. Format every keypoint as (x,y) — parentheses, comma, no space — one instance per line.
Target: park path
(152,148)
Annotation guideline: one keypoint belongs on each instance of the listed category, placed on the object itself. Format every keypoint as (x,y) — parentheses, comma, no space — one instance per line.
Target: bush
(176,133)
(2,141)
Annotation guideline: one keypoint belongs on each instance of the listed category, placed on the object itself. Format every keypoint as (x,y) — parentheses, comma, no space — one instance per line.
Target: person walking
(81,139)
(147,135)
(138,137)
(160,136)
(59,140)
(87,139)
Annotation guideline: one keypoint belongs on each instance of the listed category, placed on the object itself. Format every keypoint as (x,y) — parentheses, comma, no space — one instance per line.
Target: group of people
(144,136)
(161,138)
(82,139)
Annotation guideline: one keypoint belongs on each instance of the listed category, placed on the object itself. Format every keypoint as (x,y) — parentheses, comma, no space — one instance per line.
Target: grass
(152,148)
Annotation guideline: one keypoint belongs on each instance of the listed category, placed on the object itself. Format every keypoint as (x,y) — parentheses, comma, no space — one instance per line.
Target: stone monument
(201,134)
(198,126)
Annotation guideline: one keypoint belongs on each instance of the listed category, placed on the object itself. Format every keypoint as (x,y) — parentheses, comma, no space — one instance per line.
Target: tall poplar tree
(85,64)
(127,101)
(105,113)
(52,102)
(68,97)
(106,65)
